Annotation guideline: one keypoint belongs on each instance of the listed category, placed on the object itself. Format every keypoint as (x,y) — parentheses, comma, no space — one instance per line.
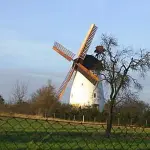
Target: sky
(28,29)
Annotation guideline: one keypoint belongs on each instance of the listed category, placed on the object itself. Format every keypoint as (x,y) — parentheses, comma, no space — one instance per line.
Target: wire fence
(101,118)
(22,132)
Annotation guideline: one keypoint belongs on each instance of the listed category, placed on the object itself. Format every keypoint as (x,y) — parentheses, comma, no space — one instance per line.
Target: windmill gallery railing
(21,132)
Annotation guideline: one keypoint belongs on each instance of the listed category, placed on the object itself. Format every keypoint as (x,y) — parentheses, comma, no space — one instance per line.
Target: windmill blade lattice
(87,42)
(65,82)
(63,51)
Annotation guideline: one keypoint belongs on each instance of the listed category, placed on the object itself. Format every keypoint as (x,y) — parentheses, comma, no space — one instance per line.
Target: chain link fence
(101,118)
(22,132)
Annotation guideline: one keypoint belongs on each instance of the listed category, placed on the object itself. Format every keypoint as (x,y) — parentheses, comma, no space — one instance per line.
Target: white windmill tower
(86,88)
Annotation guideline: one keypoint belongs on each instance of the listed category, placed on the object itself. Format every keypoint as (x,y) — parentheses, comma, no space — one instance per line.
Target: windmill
(85,89)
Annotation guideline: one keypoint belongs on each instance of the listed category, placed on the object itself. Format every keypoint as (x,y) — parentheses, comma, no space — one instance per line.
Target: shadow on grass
(74,140)
(37,136)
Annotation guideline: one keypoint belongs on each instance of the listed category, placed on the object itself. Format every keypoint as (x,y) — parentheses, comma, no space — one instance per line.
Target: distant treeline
(44,102)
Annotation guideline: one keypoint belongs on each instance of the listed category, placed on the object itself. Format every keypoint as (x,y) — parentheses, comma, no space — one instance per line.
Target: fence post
(83,118)
(74,117)
(94,119)
(64,116)
(54,115)
(118,121)
(131,122)
(146,122)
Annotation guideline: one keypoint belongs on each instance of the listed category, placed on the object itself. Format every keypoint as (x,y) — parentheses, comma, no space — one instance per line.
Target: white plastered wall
(82,91)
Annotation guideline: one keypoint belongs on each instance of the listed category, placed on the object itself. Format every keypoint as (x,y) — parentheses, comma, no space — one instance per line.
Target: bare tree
(19,92)
(2,101)
(118,68)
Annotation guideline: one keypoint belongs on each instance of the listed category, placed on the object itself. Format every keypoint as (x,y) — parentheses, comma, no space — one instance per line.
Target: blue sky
(28,29)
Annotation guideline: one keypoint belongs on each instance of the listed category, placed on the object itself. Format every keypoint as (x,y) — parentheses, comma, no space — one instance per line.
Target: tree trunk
(109,122)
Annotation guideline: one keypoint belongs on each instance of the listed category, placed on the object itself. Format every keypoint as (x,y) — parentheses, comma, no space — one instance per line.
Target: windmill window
(94,95)
(82,84)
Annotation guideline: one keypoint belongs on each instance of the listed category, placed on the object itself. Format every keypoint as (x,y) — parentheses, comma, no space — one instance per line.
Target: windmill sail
(88,74)
(87,42)
(63,51)
(65,82)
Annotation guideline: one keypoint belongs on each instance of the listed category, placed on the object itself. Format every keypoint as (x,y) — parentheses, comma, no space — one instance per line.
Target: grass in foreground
(34,134)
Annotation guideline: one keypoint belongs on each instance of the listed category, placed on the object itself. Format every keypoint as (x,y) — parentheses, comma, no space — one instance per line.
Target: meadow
(21,133)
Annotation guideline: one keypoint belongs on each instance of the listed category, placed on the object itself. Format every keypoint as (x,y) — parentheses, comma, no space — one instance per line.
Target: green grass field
(33,134)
